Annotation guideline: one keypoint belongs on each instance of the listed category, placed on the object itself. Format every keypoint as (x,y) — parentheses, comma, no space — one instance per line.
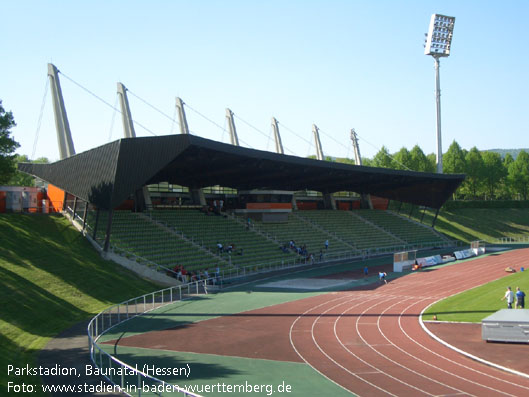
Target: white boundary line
(467,354)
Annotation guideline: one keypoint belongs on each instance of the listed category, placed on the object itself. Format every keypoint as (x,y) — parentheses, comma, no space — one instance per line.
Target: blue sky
(338,64)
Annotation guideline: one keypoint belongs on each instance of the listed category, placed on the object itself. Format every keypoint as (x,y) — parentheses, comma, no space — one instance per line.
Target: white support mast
(366,198)
(129,132)
(197,195)
(128,125)
(319,151)
(184,129)
(356,148)
(64,135)
(279,144)
(329,202)
(231,126)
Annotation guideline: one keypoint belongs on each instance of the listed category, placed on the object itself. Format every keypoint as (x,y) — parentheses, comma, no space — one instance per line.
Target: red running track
(372,343)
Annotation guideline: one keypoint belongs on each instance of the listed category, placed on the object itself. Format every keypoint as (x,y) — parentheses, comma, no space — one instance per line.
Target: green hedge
(452,205)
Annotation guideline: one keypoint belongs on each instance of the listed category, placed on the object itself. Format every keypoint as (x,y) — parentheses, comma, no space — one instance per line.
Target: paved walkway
(70,350)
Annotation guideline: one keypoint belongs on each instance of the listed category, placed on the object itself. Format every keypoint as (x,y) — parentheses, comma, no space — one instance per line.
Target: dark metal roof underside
(109,174)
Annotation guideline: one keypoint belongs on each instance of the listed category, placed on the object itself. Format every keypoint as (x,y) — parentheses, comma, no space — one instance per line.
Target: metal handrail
(124,311)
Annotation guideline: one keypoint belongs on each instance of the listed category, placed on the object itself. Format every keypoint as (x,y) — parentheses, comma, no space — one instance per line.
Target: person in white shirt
(509,295)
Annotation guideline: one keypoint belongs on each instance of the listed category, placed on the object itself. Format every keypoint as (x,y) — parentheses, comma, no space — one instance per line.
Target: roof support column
(109,230)
(184,129)
(279,144)
(197,195)
(435,218)
(85,213)
(74,207)
(329,202)
(129,132)
(279,149)
(64,135)
(126,117)
(231,125)
(317,142)
(365,198)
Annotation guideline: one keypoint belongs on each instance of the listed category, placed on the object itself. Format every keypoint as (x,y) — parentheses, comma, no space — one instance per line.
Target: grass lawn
(476,304)
(50,279)
(469,224)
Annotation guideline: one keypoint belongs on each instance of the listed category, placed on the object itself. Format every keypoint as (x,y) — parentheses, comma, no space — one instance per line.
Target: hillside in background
(503,152)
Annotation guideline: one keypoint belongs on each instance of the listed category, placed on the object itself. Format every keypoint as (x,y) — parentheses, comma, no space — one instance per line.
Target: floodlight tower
(438,43)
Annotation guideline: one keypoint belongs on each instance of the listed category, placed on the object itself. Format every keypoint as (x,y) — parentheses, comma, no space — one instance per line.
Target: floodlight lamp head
(439,36)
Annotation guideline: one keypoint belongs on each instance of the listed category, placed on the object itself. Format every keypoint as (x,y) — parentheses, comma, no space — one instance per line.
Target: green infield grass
(476,304)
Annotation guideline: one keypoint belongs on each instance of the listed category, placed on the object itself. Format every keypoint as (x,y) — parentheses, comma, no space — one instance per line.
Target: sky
(339,64)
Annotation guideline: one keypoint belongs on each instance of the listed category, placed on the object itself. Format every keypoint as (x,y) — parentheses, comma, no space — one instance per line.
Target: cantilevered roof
(109,174)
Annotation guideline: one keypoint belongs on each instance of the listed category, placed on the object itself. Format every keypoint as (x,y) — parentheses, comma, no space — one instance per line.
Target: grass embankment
(470,224)
(50,279)
(476,304)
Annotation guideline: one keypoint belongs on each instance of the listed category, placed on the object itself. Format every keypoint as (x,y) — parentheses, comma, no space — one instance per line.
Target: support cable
(113,118)
(299,136)
(206,118)
(270,132)
(153,107)
(330,136)
(105,102)
(388,155)
(251,126)
(173,121)
(289,130)
(39,122)
(223,130)
(309,149)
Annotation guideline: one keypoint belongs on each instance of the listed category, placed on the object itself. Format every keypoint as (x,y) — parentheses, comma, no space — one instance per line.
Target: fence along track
(129,378)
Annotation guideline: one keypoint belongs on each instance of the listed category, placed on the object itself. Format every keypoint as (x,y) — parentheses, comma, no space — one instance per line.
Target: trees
(519,174)
(21,178)
(402,160)
(383,159)
(475,171)
(7,145)
(493,173)
(419,161)
(454,161)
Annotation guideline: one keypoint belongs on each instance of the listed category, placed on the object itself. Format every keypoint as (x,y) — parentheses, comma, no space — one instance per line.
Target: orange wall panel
(269,206)
(379,203)
(307,205)
(56,197)
(2,201)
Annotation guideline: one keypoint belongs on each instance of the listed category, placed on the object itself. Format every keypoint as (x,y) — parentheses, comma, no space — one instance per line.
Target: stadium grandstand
(104,189)
(180,200)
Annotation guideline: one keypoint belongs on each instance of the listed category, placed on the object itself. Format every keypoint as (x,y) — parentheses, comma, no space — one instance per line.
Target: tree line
(488,175)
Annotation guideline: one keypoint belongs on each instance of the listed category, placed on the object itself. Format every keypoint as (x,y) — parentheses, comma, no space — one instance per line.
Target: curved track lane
(372,344)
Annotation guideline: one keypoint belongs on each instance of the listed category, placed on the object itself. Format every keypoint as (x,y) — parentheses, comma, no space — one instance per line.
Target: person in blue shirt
(520,299)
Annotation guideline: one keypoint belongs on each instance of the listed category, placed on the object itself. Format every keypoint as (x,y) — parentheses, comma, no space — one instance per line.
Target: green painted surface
(222,372)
